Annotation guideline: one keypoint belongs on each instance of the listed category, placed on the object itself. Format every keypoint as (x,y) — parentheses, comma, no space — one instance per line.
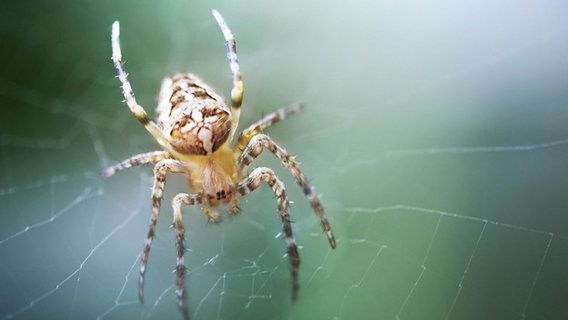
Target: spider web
(435,135)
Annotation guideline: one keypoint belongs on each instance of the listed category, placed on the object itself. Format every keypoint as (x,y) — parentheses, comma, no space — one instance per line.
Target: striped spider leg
(253,149)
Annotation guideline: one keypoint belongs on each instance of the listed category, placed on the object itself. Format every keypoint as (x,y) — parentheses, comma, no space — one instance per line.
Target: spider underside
(195,128)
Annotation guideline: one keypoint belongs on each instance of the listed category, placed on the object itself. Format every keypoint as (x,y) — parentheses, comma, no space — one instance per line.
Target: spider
(195,129)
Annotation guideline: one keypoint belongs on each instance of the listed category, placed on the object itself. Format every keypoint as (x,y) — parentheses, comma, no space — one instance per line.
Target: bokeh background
(436,134)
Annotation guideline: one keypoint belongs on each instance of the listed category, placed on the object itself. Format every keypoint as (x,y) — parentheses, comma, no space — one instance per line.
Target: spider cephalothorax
(195,128)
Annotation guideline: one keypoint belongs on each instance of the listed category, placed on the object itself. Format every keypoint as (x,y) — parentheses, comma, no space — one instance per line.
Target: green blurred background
(434,132)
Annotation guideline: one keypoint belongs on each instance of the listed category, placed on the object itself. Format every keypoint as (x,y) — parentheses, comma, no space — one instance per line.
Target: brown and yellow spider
(195,128)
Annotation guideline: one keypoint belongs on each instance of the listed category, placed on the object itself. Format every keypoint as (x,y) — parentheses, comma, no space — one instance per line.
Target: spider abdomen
(195,119)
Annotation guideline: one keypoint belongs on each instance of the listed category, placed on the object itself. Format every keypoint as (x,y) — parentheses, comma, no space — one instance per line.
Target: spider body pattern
(195,128)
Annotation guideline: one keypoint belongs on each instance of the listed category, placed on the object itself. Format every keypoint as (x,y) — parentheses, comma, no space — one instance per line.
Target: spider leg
(137,110)
(187,199)
(143,158)
(264,123)
(238,88)
(254,148)
(160,171)
(253,181)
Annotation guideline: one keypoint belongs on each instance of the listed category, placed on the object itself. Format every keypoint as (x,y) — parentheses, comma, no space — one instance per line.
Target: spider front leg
(238,87)
(264,123)
(254,148)
(160,172)
(136,109)
(187,199)
(253,181)
(143,158)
